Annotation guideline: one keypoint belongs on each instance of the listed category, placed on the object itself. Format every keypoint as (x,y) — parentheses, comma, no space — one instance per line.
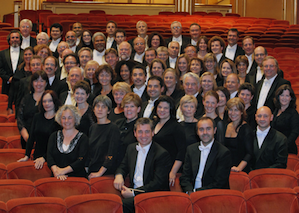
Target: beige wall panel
(264,8)
(7,6)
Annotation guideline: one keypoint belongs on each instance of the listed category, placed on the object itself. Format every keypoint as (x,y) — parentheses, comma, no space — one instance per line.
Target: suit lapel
(132,163)
(267,140)
(272,88)
(211,157)
(148,162)
(196,161)
(8,59)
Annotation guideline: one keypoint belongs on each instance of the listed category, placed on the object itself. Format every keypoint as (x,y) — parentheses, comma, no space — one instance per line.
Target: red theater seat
(177,187)
(11,189)
(13,142)
(3,142)
(9,129)
(239,181)
(166,202)
(26,170)
(103,185)
(11,155)
(293,160)
(36,205)
(3,208)
(274,200)
(52,187)
(3,171)
(218,201)
(263,178)
(94,203)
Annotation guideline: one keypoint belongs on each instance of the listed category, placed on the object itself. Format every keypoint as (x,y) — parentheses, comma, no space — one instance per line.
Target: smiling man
(25,29)
(99,44)
(233,50)
(216,45)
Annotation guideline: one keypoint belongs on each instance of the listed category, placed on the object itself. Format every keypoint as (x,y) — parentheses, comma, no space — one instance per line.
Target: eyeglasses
(270,66)
(176,27)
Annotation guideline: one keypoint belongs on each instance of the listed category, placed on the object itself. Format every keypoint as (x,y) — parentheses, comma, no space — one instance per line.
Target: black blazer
(156,168)
(185,41)
(33,42)
(143,59)
(216,171)
(143,107)
(278,81)
(221,59)
(273,153)
(6,68)
(239,51)
(144,96)
(58,86)
(114,45)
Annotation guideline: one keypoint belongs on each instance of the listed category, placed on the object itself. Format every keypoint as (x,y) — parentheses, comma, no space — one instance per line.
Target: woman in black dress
(43,125)
(29,103)
(196,66)
(239,136)
(173,87)
(131,104)
(67,148)
(227,67)
(169,134)
(81,93)
(157,67)
(224,96)
(207,83)
(155,40)
(285,116)
(90,69)
(124,72)
(210,102)
(202,46)
(188,106)
(119,90)
(181,65)
(104,137)
(85,40)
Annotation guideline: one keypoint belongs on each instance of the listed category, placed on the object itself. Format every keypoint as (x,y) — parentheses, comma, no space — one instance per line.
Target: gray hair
(176,22)
(140,22)
(103,99)
(26,21)
(74,111)
(192,75)
(174,42)
(43,34)
(85,48)
(98,34)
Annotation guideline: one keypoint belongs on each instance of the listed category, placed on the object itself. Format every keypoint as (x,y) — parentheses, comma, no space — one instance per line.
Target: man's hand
(118,182)
(126,192)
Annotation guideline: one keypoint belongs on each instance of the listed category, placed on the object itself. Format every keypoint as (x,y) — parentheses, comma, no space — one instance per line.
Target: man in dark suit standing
(176,30)
(216,45)
(256,72)
(10,59)
(139,86)
(25,29)
(269,146)
(248,47)
(139,47)
(265,88)
(147,164)
(56,32)
(110,30)
(233,50)
(207,163)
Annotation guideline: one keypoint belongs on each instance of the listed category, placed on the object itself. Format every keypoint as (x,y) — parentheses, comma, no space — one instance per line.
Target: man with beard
(70,38)
(78,29)
(10,59)
(99,44)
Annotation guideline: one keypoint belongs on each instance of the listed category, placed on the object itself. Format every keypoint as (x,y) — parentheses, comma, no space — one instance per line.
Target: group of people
(148,108)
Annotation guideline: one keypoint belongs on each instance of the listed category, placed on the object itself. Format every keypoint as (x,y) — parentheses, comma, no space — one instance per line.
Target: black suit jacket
(58,86)
(216,171)
(221,59)
(6,68)
(271,94)
(114,45)
(273,152)
(63,96)
(33,42)
(144,96)
(239,51)
(143,107)
(185,41)
(143,59)
(156,168)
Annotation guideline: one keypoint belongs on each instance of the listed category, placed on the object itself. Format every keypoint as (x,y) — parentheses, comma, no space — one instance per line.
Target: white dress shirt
(194,43)
(139,167)
(218,57)
(264,91)
(233,95)
(25,42)
(250,61)
(70,99)
(179,40)
(149,108)
(259,74)
(261,135)
(73,48)
(78,41)
(14,57)
(63,73)
(138,57)
(51,79)
(99,56)
(204,153)
(109,42)
(53,45)
(231,51)
(172,62)
(139,91)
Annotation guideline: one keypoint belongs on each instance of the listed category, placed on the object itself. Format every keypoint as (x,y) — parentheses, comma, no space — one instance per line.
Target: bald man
(269,146)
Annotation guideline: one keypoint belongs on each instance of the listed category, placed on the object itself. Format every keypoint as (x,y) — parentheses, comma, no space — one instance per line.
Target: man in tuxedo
(173,52)
(25,29)
(207,163)
(190,51)
(269,146)
(10,59)
(265,88)
(147,164)
(155,87)
(232,84)
(139,47)
(111,57)
(141,28)
(176,30)
(60,48)
(120,36)
(56,32)
(110,30)
(248,47)
(195,31)
(50,66)
(233,50)
(216,45)
(139,86)
(85,55)
(70,38)
(99,44)
(149,55)
(69,61)
(78,29)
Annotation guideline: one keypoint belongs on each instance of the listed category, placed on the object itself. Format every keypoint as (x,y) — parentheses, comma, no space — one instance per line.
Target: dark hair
(82,44)
(36,76)
(157,60)
(241,58)
(121,31)
(158,78)
(246,86)
(14,31)
(23,63)
(113,22)
(216,38)
(55,99)
(55,60)
(82,85)
(202,66)
(170,101)
(279,91)
(240,105)
(73,55)
(140,67)
(205,118)
(195,24)
(144,121)
(206,41)
(235,30)
(56,25)
(150,37)
(121,63)
(108,69)
(225,92)
(150,49)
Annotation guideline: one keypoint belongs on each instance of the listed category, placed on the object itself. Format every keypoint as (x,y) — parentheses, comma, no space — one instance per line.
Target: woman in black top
(85,41)
(67,148)
(157,67)
(29,103)
(90,69)
(239,136)
(169,134)
(286,118)
(81,93)
(173,87)
(104,138)
(124,72)
(155,40)
(188,106)
(43,125)
(224,96)
(131,104)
